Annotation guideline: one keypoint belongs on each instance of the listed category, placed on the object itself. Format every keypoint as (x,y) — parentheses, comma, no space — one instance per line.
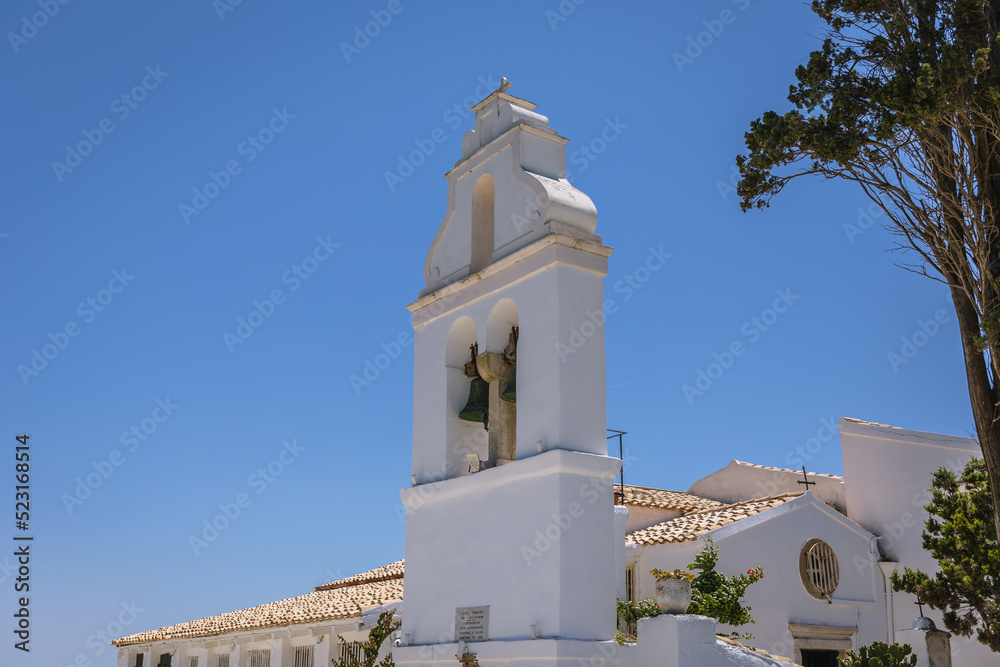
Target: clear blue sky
(200,90)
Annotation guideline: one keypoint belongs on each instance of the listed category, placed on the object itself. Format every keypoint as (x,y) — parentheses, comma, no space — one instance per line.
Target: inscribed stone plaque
(472,624)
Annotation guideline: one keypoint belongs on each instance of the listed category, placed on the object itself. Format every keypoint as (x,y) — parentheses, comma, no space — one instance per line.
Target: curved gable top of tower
(508,190)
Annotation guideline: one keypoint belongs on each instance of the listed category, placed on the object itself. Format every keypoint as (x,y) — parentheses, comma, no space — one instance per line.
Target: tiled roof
(797,472)
(384,573)
(641,496)
(370,589)
(690,526)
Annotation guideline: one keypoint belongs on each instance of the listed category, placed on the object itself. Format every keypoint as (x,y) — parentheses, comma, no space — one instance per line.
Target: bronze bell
(510,356)
(510,393)
(477,408)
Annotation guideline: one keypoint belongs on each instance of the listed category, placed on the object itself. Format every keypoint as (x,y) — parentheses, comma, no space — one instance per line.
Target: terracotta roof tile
(690,526)
(797,472)
(641,496)
(384,573)
(370,589)
(350,596)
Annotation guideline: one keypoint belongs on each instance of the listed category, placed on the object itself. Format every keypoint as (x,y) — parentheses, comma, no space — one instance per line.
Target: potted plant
(673,590)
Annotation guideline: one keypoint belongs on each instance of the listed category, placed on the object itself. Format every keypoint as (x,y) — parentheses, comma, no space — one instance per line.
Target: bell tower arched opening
(502,332)
(482,224)
(464,437)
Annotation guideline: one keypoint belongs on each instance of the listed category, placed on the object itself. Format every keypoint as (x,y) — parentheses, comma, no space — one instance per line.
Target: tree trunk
(982,396)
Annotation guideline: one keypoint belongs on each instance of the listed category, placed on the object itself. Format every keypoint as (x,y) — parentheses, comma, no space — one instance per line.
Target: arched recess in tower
(482,224)
(502,331)
(464,437)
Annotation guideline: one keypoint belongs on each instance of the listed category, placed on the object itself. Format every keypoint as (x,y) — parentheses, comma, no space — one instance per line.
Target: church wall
(738,482)
(643,517)
(514,203)
(773,540)
(281,641)
(549,509)
(560,389)
(887,474)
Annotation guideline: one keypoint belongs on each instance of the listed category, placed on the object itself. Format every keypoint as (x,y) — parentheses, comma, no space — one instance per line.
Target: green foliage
(960,535)
(885,69)
(621,638)
(903,99)
(718,595)
(384,627)
(629,612)
(880,654)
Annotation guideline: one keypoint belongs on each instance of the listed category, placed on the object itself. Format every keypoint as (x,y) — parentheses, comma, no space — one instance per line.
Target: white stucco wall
(887,474)
(532,540)
(526,160)
(643,517)
(282,642)
(773,539)
(686,641)
(740,481)
(561,399)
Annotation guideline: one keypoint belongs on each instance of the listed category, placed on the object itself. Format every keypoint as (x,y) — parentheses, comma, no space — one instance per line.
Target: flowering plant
(676,574)
(717,595)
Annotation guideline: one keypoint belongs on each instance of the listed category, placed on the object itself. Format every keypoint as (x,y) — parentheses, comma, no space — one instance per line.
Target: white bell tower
(510,539)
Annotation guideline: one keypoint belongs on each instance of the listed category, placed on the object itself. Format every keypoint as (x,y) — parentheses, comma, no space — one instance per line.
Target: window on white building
(630,593)
(819,569)
(223,661)
(303,656)
(260,658)
(351,651)
(194,661)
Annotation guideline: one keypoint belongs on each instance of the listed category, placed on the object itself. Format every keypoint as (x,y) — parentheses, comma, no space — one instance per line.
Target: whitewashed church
(507,429)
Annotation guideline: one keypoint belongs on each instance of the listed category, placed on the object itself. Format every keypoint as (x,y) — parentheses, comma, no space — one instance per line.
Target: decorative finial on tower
(504,84)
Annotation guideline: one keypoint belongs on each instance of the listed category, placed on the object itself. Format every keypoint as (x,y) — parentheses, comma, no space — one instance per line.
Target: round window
(819,569)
